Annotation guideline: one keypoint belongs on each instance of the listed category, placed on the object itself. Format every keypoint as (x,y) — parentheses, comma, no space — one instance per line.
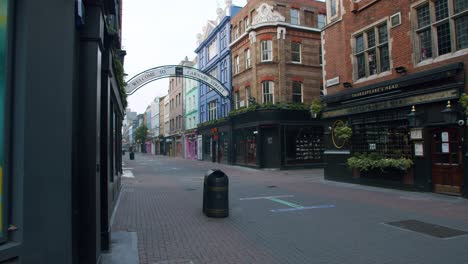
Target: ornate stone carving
(253,37)
(281,32)
(265,13)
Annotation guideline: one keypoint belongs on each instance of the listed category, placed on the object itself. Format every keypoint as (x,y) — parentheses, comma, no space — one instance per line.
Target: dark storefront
(245,146)
(216,143)
(169,146)
(274,138)
(416,117)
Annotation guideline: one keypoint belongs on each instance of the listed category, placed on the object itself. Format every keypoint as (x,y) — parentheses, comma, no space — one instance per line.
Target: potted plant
(373,164)
(464,102)
(315,108)
(343,131)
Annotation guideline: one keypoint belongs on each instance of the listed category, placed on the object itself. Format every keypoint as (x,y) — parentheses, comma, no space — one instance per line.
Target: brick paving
(163,204)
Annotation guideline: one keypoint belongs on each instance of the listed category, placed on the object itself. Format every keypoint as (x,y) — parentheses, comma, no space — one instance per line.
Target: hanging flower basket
(315,108)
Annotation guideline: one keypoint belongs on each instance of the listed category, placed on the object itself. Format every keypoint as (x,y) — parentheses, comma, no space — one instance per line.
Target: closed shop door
(270,148)
(447,167)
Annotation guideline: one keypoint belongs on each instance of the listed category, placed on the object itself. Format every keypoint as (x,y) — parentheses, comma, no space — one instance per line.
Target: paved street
(280,217)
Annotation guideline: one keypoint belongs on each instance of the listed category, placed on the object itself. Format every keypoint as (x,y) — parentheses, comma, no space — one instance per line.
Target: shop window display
(389,139)
(304,145)
(246,147)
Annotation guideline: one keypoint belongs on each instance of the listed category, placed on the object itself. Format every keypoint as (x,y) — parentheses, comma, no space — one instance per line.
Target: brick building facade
(176,112)
(384,60)
(276,64)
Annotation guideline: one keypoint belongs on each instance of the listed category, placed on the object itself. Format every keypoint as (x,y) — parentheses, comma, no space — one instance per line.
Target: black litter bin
(215,194)
(132,155)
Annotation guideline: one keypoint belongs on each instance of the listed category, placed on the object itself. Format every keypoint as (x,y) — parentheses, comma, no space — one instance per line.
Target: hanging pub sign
(3,61)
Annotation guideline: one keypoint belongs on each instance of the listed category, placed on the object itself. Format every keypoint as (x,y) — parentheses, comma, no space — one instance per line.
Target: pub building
(395,77)
(276,73)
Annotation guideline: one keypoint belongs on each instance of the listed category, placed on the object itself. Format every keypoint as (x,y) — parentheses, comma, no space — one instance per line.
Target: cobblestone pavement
(315,221)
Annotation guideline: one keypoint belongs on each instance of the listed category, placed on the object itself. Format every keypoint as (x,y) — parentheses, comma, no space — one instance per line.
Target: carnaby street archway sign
(157,73)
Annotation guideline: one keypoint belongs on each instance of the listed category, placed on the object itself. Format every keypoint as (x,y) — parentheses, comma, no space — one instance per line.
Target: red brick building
(276,63)
(383,59)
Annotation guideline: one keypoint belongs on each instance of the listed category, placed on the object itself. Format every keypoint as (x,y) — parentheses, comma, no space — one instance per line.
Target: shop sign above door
(394,103)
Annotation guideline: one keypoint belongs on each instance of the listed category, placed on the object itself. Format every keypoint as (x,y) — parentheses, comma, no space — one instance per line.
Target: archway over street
(167,71)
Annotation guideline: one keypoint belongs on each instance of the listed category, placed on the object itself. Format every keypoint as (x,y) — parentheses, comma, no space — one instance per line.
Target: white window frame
(378,46)
(225,74)
(236,65)
(324,20)
(296,52)
(246,23)
(452,17)
(237,100)
(333,8)
(212,50)
(247,58)
(247,95)
(266,48)
(213,110)
(270,85)
(295,11)
(223,39)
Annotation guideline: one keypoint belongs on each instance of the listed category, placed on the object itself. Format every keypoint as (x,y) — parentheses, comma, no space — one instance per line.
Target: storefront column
(422,165)
(464,134)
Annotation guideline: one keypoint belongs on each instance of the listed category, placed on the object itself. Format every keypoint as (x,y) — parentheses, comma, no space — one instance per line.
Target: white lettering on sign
(334,81)
(210,80)
(169,71)
(145,77)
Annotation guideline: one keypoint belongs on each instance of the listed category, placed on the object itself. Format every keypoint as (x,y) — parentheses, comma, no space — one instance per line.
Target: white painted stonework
(253,37)
(265,13)
(281,32)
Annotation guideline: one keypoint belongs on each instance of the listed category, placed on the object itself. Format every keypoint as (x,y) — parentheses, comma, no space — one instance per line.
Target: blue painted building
(214,57)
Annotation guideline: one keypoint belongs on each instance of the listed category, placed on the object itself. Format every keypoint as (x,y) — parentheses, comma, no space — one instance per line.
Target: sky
(156,33)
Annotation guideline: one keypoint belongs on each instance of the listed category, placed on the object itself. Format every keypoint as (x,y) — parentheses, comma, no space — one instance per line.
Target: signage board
(416,133)
(334,81)
(208,79)
(149,76)
(395,103)
(419,149)
(171,71)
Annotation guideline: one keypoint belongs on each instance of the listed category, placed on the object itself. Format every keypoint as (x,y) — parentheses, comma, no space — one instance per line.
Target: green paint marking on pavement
(285,203)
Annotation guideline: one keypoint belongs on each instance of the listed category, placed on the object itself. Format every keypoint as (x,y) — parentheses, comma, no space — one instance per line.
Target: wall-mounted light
(449,114)
(414,119)
(347,85)
(400,70)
